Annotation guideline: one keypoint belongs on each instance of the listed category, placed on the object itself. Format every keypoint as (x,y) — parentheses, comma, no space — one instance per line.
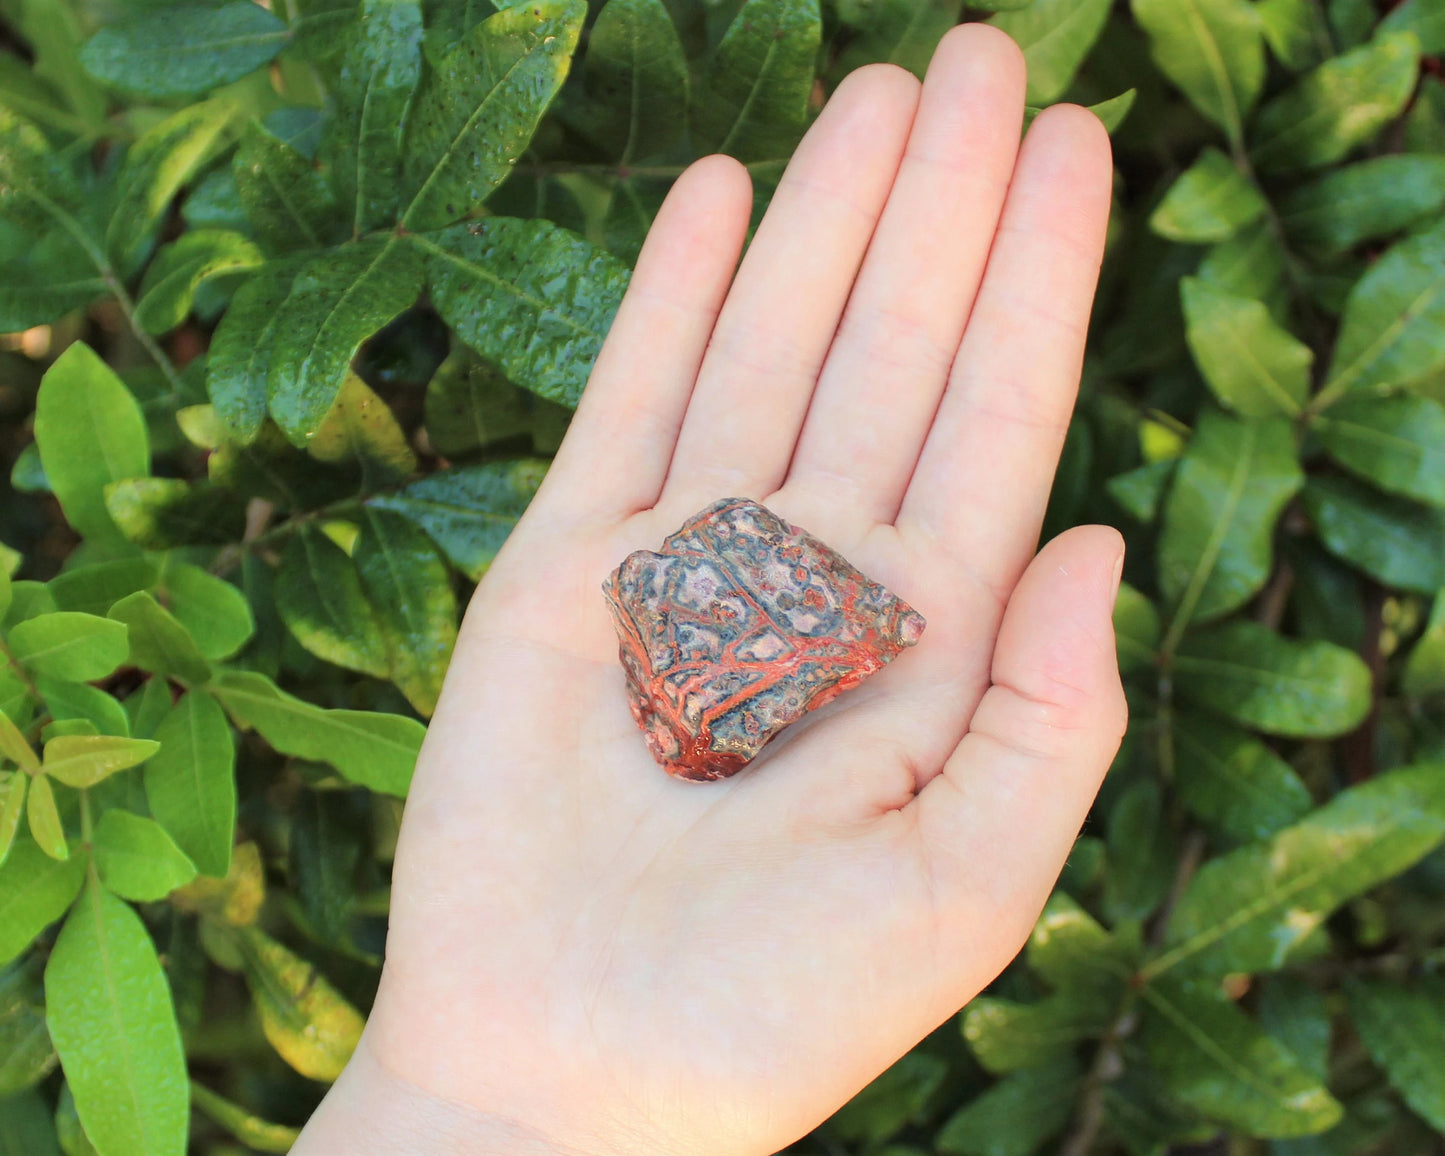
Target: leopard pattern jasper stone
(738,627)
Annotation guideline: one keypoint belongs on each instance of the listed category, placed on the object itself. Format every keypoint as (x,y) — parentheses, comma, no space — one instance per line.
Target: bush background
(297,304)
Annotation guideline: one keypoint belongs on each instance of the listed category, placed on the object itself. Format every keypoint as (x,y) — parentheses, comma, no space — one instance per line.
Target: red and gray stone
(738,627)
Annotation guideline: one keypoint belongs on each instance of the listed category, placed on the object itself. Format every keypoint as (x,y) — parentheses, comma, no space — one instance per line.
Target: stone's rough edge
(690,751)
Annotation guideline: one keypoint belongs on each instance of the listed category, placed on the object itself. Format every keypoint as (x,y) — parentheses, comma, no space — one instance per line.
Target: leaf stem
(148,343)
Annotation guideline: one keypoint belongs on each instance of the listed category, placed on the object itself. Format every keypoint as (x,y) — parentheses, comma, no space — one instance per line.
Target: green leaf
(215,612)
(1295,31)
(255,1133)
(1141,853)
(1253,365)
(408,586)
(635,79)
(76,701)
(1400,543)
(26,1055)
(1395,443)
(136,859)
(1389,334)
(36,187)
(1136,629)
(1140,490)
(1007,1036)
(1364,201)
(183,49)
(753,101)
(1113,112)
(1341,104)
(95,588)
(533,298)
(327,836)
(374,87)
(68,644)
(477,110)
(361,428)
(12,809)
(1072,950)
(1247,910)
(1211,201)
(1425,668)
(1015,1116)
(158,164)
(1056,36)
(90,432)
(1404,1028)
(373,749)
(14,746)
(888,1104)
(111,1018)
(307,1021)
(1250,264)
(73,1140)
(1217,546)
(45,825)
(901,32)
(190,782)
(1218,1062)
(1233,782)
(35,891)
(469,511)
(1281,686)
(26,1128)
(286,200)
(83,760)
(239,359)
(320,599)
(158,642)
(1425,18)
(336,302)
(1213,50)
(180,268)
(158,513)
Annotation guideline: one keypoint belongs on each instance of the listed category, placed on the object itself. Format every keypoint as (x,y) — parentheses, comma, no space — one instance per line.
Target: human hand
(587,955)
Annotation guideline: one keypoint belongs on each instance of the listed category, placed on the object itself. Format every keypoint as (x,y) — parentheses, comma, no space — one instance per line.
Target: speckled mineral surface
(738,627)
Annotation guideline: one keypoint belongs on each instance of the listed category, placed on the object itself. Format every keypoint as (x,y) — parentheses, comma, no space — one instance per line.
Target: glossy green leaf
(1425,18)
(67,644)
(1278,685)
(240,355)
(161,161)
(77,701)
(84,760)
(336,302)
(1218,1062)
(374,87)
(45,824)
(1217,545)
(1015,1116)
(35,891)
(26,1128)
(1211,201)
(373,749)
(1141,490)
(753,100)
(14,786)
(1056,36)
(1339,105)
(1397,541)
(216,613)
(158,513)
(469,511)
(13,745)
(1389,334)
(69,1130)
(1295,31)
(470,404)
(158,642)
(1249,264)
(361,428)
(1136,629)
(307,1021)
(1213,50)
(95,588)
(320,599)
(1253,365)
(408,587)
(1141,853)
(1425,668)
(635,79)
(1233,782)
(288,202)
(1395,443)
(183,49)
(26,1054)
(1364,201)
(111,1018)
(533,298)
(251,1130)
(90,432)
(180,268)
(1404,1028)
(136,859)
(901,32)
(1071,949)
(190,782)
(1246,911)
(1007,1036)
(477,111)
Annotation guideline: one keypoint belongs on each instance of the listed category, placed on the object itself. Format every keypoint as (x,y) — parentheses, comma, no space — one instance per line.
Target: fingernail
(1118,576)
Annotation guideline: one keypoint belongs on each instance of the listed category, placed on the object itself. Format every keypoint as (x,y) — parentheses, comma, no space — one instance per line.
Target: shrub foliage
(324,279)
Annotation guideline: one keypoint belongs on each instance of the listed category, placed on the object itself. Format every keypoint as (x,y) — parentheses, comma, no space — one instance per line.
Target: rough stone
(738,627)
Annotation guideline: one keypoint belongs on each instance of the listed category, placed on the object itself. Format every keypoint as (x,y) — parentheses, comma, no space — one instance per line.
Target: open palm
(618,961)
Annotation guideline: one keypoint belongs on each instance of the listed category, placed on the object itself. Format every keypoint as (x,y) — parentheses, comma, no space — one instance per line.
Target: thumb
(999,821)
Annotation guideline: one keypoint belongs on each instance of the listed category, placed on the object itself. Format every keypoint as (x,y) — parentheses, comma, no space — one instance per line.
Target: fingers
(616,453)
(982,480)
(782,312)
(999,821)
(892,355)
